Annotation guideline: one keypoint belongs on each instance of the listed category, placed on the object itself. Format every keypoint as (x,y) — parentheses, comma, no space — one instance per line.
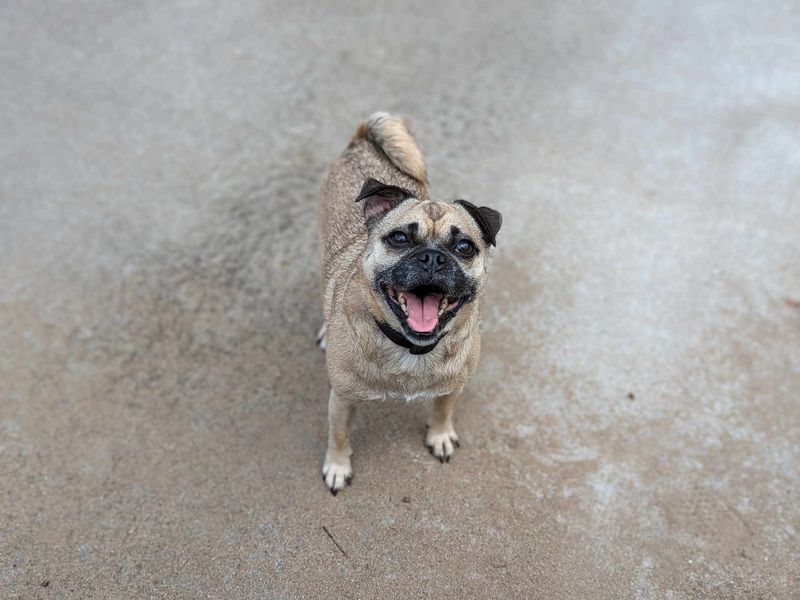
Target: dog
(403,276)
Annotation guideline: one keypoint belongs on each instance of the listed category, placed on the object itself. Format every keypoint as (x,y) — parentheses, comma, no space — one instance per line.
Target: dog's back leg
(321,338)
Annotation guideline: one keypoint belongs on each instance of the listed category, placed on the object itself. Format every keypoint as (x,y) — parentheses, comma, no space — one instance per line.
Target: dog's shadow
(223,327)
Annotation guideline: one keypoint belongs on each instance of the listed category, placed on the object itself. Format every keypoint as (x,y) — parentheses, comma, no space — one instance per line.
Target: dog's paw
(337,474)
(441,444)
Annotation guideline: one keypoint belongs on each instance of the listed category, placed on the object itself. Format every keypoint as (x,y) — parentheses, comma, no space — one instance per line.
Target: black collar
(399,339)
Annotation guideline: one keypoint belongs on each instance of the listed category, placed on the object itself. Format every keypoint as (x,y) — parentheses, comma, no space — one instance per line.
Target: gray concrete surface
(633,430)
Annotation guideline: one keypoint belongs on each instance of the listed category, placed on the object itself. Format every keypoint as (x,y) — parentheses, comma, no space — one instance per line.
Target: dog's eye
(398,239)
(465,248)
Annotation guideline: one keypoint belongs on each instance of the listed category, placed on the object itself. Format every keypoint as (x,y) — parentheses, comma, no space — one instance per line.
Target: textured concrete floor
(633,430)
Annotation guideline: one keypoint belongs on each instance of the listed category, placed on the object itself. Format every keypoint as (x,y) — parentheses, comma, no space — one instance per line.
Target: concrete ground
(633,430)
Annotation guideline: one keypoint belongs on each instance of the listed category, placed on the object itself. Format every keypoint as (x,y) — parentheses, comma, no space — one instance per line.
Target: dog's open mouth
(423,309)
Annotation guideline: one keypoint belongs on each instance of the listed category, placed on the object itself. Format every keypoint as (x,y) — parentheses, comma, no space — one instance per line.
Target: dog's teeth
(401,300)
(442,305)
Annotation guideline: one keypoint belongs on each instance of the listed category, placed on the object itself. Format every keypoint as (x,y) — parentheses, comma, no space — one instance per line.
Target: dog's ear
(488,219)
(379,198)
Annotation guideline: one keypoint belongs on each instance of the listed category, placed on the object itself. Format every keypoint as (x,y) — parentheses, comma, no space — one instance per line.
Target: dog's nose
(432,260)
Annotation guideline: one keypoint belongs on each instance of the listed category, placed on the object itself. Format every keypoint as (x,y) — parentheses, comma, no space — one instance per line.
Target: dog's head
(425,260)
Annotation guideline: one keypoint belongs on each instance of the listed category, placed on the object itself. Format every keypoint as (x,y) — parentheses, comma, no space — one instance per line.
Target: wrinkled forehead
(433,219)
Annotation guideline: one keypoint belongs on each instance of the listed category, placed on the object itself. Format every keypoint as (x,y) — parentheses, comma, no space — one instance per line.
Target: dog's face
(425,260)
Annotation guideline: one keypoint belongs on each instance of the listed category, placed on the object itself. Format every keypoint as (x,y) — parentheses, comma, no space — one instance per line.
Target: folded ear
(488,219)
(379,198)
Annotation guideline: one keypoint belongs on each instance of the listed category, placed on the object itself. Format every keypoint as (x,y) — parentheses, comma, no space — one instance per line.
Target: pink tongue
(423,313)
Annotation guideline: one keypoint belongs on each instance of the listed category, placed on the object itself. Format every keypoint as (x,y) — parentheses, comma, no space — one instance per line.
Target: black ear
(488,219)
(379,199)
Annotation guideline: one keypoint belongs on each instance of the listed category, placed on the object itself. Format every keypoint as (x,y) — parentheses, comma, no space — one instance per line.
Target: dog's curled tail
(390,133)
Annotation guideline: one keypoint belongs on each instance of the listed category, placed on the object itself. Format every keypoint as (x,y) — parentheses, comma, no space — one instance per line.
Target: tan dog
(403,277)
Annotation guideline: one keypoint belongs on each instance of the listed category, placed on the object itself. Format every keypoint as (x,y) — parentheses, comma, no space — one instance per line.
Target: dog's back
(382,148)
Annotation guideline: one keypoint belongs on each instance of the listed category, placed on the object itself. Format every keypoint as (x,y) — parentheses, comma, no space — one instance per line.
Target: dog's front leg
(336,470)
(442,438)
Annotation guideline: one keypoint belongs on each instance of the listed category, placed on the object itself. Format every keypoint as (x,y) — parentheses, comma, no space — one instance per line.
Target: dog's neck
(399,339)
